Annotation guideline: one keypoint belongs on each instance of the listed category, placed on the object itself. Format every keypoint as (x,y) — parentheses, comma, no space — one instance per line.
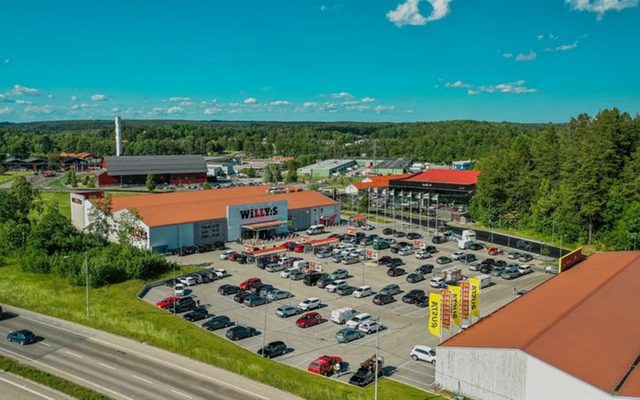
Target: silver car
(278,295)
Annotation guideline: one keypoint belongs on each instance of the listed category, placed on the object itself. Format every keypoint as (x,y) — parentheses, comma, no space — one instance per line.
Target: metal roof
(398,163)
(143,165)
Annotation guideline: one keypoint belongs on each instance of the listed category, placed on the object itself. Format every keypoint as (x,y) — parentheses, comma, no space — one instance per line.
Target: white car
(179,290)
(405,251)
(187,280)
(363,291)
(354,322)
(332,287)
(369,326)
(310,304)
(287,272)
(220,273)
(225,254)
(422,254)
(525,269)
(275,267)
(367,227)
(475,266)
(423,353)
(457,255)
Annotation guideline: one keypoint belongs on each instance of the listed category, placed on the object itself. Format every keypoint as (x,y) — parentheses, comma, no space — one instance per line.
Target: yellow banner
(474,298)
(456,296)
(435,317)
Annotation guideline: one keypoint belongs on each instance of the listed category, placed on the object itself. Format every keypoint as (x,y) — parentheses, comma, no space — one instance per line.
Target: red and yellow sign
(474,298)
(465,292)
(570,259)
(352,231)
(456,295)
(435,316)
(446,308)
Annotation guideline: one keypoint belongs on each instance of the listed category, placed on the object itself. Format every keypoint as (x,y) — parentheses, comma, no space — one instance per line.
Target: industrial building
(373,182)
(181,219)
(576,336)
(396,166)
(451,186)
(133,170)
(326,168)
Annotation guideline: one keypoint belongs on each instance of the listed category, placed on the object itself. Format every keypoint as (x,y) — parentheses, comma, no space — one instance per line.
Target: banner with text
(465,289)
(446,308)
(435,306)
(455,304)
(474,298)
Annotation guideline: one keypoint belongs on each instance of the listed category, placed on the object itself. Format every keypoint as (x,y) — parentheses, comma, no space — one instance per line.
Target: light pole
(86,272)
(375,388)
(264,330)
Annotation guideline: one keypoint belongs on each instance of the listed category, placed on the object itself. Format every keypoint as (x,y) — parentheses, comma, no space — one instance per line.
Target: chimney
(118,136)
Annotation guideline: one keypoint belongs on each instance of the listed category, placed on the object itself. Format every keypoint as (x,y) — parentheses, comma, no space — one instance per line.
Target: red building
(133,170)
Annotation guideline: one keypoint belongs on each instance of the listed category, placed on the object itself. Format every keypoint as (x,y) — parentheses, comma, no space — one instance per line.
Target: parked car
(475,246)
(325,365)
(241,296)
(414,235)
(179,289)
(275,267)
(396,272)
(225,254)
(422,301)
(381,299)
(510,273)
(494,251)
(310,304)
(239,332)
(425,269)
(309,319)
(457,255)
(514,255)
(363,291)
(391,289)
(181,305)
(249,283)
(278,294)
(384,260)
(525,257)
(346,335)
(405,251)
(273,349)
(497,270)
(324,282)
(337,258)
(412,296)
(220,273)
(422,254)
(166,302)
(551,269)
(414,277)
(339,274)
(324,253)
(475,266)
(370,326)
(423,353)
(285,311)
(444,260)
(437,282)
(187,280)
(197,314)
(22,336)
(331,288)
(525,269)
(399,234)
(296,275)
(395,262)
(350,260)
(218,322)
(356,320)
(521,244)
(439,239)
(345,290)
(388,231)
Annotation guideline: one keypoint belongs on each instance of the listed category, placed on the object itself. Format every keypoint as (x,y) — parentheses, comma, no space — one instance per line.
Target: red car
(166,302)
(493,251)
(299,248)
(233,256)
(325,365)
(309,319)
(249,283)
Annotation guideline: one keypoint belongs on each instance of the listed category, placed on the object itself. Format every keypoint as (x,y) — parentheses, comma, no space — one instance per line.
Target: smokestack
(118,136)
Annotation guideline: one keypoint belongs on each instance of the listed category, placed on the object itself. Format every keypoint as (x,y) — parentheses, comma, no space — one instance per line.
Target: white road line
(23,387)
(422,385)
(182,394)
(73,354)
(44,344)
(142,379)
(107,366)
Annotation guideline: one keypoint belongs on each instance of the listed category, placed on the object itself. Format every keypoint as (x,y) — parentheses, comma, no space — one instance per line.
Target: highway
(17,388)
(123,369)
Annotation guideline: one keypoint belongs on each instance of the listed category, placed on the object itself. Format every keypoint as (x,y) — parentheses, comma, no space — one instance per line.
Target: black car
(227,289)
(240,296)
(345,290)
(273,349)
(468,258)
(521,244)
(412,296)
(241,259)
(425,269)
(324,281)
(381,299)
(399,234)
(311,278)
(444,260)
(430,249)
(486,269)
(255,300)
(240,332)
(439,239)
(422,301)
(388,231)
(414,277)
(499,263)
(257,289)
(414,236)
(196,314)
(475,246)
(395,262)
(396,271)
(22,336)
(384,260)
(218,322)
(488,261)
(182,305)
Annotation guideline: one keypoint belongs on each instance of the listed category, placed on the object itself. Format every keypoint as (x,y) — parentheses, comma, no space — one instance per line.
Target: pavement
(406,323)
(18,388)
(122,368)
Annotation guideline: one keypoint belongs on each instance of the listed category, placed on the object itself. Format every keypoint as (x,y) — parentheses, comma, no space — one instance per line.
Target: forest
(578,181)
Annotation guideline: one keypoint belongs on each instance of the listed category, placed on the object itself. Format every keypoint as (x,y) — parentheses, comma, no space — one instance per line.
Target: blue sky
(362,60)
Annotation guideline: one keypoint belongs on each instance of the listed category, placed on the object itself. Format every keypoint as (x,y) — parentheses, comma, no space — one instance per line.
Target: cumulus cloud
(457,84)
(367,99)
(20,90)
(24,102)
(179,99)
(341,95)
(516,87)
(530,56)
(73,98)
(250,100)
(309,104)
(507,55)
(46,109)
(408,13)
(212,110)
(563,47)
(98,97)
(174,110)
(279,103)
(5,110)
(600,7)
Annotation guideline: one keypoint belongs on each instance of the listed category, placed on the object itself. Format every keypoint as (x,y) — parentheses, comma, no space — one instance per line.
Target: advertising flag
(465,289)
(434,198)
(435,305)
(446,308)
(455,304)
(474,298)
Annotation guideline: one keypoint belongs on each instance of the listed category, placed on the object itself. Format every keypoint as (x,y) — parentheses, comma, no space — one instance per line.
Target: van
(300,264)
(436,282)
(315,229)
(485,280)
(342,315)
(380,244)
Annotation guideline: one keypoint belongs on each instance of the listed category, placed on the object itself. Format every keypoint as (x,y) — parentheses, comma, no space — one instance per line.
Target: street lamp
(375,390)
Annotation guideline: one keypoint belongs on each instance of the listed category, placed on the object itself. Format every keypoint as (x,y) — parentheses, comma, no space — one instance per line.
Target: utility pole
(375,390)
(264,330)
(86,272)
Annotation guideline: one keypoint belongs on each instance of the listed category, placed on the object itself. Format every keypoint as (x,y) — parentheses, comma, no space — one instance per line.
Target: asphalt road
(124,369)
(17,388)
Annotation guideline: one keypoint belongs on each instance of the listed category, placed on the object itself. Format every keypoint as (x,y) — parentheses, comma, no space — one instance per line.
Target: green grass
(61,199)
(131,317)
(52,381)
(11,175)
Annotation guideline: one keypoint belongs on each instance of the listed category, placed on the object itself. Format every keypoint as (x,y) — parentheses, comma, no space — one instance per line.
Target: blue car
(22,336)
(347,335)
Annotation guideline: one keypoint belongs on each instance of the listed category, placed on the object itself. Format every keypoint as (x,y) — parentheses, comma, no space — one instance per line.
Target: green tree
(101,216)
(150,182)
(24,196)
(363,203)
(249,172)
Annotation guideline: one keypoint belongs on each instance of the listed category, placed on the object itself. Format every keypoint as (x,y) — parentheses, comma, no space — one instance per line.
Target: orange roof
(379,181)
(83,155)
(583,321)
(183,207)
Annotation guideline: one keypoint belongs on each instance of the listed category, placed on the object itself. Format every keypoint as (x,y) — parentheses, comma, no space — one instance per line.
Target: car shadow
(8,315)
(289,350)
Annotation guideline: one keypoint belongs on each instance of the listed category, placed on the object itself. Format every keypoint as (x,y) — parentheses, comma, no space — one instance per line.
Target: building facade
(133,170)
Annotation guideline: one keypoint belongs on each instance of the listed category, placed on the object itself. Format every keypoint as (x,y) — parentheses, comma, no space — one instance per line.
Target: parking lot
(405,324)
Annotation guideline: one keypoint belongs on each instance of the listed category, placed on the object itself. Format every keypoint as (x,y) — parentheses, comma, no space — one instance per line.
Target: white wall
(172,236)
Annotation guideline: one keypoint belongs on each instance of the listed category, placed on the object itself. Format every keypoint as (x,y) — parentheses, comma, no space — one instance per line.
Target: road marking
(423,385)
(23,387)
(182,394)
(107,366)
(73,354)
(142,379)
(44,344)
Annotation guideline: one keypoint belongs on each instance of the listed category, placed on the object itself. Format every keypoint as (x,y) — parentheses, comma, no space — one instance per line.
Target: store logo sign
(258,212)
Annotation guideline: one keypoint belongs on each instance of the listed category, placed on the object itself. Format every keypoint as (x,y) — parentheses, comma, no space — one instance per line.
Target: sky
(318,60)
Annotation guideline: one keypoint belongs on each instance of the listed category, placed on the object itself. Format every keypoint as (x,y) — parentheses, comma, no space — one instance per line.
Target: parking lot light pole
(86,272)
(375,387)
(264,330)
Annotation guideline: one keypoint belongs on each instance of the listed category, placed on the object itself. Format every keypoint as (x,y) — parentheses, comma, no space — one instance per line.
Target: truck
(466,239)
(366,374)
(451,275)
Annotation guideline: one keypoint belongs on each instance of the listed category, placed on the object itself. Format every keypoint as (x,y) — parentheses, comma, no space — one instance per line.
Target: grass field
(52,381)
(62,200)
(133,318)
(11,175)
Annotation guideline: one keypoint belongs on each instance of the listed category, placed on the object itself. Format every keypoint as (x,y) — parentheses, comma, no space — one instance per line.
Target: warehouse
(573,337)
(182,219)
(326,168)
(133,170)
(451,186)
(392,166)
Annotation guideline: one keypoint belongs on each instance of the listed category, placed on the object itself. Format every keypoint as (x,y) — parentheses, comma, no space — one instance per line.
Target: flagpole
(420,211)
(428,209)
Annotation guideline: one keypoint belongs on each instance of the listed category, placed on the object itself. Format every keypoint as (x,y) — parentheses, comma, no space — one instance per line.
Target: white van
(315,229)
(485,280)
(301,264)
(342,315)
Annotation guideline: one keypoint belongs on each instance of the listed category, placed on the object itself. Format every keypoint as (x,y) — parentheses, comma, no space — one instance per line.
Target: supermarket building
(181,219)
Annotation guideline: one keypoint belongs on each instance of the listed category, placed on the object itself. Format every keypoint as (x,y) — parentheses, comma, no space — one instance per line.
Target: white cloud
(600,7)
(408,13)
(367,100)
(6,61)
(212,110)
(309,104)
(5,110)
(173,110)
(457,84)
(179,99)
(49,96)
(341,95)
(39,109)
(563,47)
(323,8)
(517,87)
(250,100)
(114,110)
(279,103)
(24,102)
(507,55)
(73,98)
(540,37)
(98,97)
(20,90)
(530,56)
